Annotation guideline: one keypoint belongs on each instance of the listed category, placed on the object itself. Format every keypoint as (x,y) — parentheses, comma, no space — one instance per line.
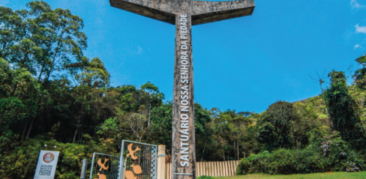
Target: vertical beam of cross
(184,14)
(183,133)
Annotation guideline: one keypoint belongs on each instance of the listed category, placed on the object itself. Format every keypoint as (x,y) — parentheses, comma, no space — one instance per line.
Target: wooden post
(161,162)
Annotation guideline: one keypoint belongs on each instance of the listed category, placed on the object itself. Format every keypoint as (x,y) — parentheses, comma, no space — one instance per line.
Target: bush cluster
(21,162)
(338,156)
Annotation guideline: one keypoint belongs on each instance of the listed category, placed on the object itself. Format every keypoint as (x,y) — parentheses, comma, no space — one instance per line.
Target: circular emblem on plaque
(48,157)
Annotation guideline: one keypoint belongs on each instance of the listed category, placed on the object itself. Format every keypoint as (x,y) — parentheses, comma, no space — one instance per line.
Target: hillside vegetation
(52,97)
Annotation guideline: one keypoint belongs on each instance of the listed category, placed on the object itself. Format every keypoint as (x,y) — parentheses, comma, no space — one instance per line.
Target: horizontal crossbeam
(206,11)
(202,11)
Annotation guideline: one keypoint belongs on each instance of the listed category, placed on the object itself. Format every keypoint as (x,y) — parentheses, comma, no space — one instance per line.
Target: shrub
(275,125)
(22,160)
(336,156)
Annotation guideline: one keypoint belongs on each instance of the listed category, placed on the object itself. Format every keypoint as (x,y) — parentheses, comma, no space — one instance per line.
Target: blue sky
(244,63)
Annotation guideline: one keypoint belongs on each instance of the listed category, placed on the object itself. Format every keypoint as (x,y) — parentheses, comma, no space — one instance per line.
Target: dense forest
(53,97)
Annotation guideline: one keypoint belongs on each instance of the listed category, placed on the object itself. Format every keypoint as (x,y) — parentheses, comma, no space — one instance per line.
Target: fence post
(83,169)
(161,162)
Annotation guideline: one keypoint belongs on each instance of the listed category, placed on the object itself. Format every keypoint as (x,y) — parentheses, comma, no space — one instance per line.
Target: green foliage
(275,125)
(18,96)
(140,100)
(360,74)
(161,125)
(21,162)
(344,111)
(52,94)
(41,40)
(94,74)
(307,160)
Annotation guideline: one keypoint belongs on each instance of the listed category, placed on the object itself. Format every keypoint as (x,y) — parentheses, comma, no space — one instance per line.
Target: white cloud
(356,5)
(4,2)
(360,29)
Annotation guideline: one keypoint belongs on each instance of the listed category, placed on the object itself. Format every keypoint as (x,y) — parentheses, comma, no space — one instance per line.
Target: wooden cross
(183,14)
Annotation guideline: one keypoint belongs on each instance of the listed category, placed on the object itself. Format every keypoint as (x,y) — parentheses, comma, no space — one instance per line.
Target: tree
(275,125)
(161,128)
(18,95)
(344,111)
(360,74)
(40,39)
(58,33)
(94,74)
(138,125)
(321,82)
(203,130)
(161,125)
(93,77)
(44,42)
(12,30)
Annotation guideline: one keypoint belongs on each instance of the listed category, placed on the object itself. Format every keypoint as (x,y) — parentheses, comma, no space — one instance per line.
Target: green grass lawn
(333,175)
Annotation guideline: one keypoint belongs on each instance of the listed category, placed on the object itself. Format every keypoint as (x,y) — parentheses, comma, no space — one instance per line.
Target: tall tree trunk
(23,60)
(203,151)
(81,133)
(24,129)
(238,151)
(40,73)
(325,104)
(30,128)
(45,115)
(54,57)
(76,131)
(79,121)
(149,116)
(14,89)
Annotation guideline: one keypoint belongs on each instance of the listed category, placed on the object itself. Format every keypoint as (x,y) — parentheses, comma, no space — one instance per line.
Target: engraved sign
(183,148)
(184,91)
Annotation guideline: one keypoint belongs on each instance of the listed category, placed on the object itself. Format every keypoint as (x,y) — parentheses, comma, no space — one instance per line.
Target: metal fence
(138,160)
(104,166)
(214,169)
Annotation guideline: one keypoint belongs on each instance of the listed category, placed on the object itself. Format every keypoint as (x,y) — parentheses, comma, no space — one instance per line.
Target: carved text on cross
(184,14)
